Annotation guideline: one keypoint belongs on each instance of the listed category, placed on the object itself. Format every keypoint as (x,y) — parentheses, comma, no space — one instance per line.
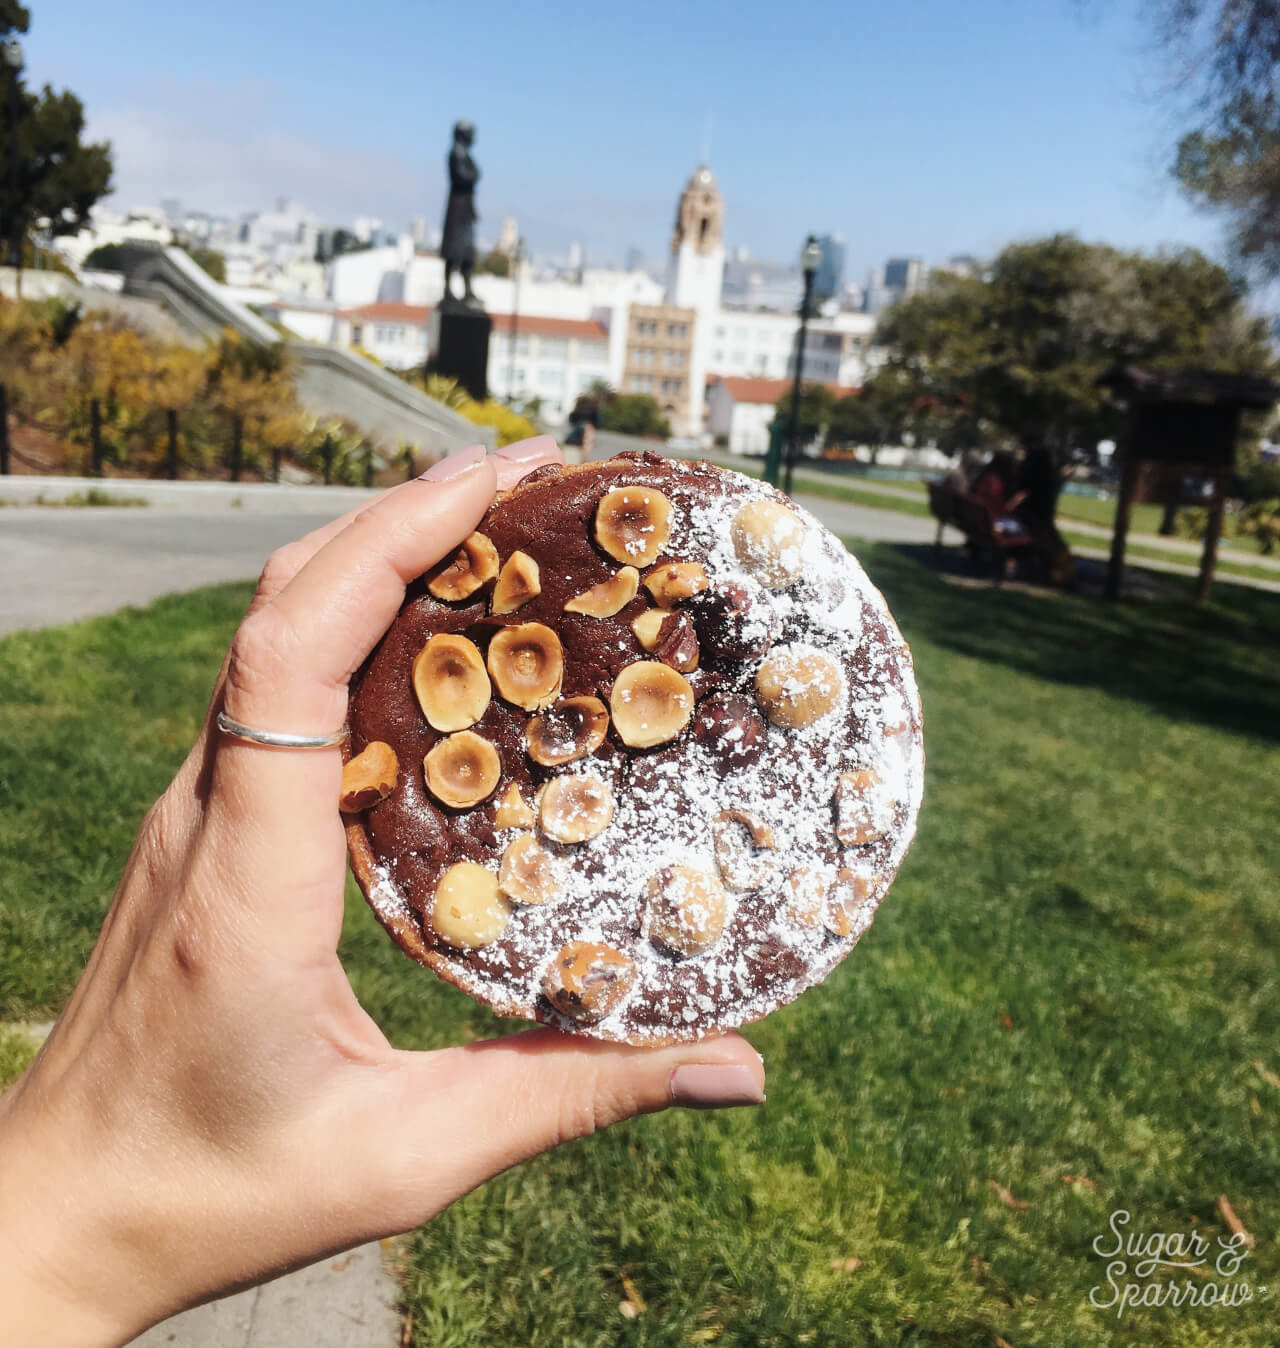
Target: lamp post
(810,261)
(517,257)
(13,63)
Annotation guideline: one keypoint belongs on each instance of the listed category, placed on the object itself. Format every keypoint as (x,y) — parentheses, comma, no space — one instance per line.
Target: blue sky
(914,128)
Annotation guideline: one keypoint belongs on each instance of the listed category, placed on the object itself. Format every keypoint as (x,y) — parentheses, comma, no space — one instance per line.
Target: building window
(551,377)
(718,357)
(357,334)
(677,330)
(553,348)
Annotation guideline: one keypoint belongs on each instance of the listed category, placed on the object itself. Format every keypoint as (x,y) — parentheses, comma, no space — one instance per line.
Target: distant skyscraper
(904,274)
(575,257)
(830,276)
(635,258)
(419,231)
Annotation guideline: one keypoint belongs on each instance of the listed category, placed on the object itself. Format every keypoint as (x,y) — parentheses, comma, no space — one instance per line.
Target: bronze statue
(458,246)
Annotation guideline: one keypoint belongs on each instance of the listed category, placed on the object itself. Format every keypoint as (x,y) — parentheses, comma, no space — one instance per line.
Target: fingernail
(523,450)
(455,464)
(714,1086)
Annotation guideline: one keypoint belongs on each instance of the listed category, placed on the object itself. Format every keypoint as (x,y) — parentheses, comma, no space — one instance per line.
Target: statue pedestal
(462,347)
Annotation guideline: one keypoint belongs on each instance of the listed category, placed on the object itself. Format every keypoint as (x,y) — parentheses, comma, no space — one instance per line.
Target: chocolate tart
(647,753)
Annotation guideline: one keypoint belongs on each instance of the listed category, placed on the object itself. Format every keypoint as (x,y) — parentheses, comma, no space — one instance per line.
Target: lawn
(1073,991)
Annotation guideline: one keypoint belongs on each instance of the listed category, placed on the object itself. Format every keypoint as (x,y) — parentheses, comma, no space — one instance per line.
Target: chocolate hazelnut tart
(641,759)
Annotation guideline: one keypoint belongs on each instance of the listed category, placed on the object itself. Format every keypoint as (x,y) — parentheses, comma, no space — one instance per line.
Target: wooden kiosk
(1187,422)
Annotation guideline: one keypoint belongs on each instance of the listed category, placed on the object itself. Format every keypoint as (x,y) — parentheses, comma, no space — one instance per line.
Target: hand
(214,1107)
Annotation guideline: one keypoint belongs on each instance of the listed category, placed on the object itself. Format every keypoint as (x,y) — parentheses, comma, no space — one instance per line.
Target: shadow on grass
(1218,665)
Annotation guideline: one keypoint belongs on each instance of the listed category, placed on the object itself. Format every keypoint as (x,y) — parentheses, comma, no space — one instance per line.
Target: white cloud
(231,148)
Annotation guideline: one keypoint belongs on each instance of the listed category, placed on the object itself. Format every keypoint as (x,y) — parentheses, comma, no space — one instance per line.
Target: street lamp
(517,257)
(13,62)
(810,261)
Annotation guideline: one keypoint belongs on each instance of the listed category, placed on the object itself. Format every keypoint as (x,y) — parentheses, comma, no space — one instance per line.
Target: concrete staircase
(330,381)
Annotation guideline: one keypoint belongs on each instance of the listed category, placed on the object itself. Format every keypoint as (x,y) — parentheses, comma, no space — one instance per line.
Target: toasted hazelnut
(587,980)
(449,679)
(805,897)
(574,809)
(568,729)
(651,704)
(729,727)
(845,911)
(673,582)
(605,599)
(474,564)
(769,539)
(368,777)
(462,769)
(518,582)
(467,910)
(527,663)
(678,643)
(686,910)
(528,873)
(732,625)
(739,840)
(798,686)
(633,524)
(861,813)
(648,626)
(512,811)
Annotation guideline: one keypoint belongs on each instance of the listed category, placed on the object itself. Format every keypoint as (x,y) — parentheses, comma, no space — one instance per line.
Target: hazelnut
(568,729)
(518,582)
(651,704)
(805,897)
(368,777)
(528,873)
(605,599)
(861,814)
(467,910)
(673,582)
(512,811)
(846,913)
(449,679)
(678,643)
(797,686)
(648,626)
(730,728)
(731,624)
(462,769)
(527,663)
(573,809)
(739,839)
(587,980)
(474,564)
(686,910)
(633,524)
(769,539)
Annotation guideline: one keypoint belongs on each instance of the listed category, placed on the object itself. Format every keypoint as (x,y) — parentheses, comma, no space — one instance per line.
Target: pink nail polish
(455,464)
(714,1086)
(523,450)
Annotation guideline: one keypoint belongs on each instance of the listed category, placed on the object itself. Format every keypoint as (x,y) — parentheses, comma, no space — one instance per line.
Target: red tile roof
(756,389)
(418,315)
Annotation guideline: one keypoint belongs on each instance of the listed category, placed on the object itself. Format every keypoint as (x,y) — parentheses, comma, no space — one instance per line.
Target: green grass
(93,497)
(1071,977)
(1136,551)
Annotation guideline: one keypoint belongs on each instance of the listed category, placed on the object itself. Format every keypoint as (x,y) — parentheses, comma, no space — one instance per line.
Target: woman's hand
(214,1107)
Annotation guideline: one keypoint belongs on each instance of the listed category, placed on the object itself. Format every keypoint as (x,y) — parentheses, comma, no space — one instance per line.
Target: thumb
(470,1112)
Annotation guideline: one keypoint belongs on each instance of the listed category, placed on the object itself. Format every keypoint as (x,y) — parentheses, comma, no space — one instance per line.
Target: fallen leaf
(628,1309)
(999,1342)
(708,1334)
(1003,1194)
(1006,1021)
(850,1265)
(1234,1224)
(1083,1180)
(1271,1078)
(635,1304)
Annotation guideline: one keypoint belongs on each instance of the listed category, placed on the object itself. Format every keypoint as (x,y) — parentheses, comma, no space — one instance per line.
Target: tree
(634,414)
(495,263)
(1016,354)
(1226,55)
(816,405)
(209,260)
(105,257)
(59,178)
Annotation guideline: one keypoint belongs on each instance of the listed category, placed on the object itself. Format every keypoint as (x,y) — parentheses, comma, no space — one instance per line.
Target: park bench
(972,518)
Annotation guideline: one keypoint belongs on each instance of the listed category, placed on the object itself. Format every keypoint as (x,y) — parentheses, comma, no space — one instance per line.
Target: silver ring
(276,740)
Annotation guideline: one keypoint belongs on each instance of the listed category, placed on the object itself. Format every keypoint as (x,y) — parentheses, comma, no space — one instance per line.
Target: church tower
(695,271)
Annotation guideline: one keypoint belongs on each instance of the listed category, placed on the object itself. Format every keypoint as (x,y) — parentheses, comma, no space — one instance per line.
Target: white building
(740,411)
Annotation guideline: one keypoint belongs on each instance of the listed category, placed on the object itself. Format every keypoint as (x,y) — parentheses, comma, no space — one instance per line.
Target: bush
(1261,481)
(1261,520)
